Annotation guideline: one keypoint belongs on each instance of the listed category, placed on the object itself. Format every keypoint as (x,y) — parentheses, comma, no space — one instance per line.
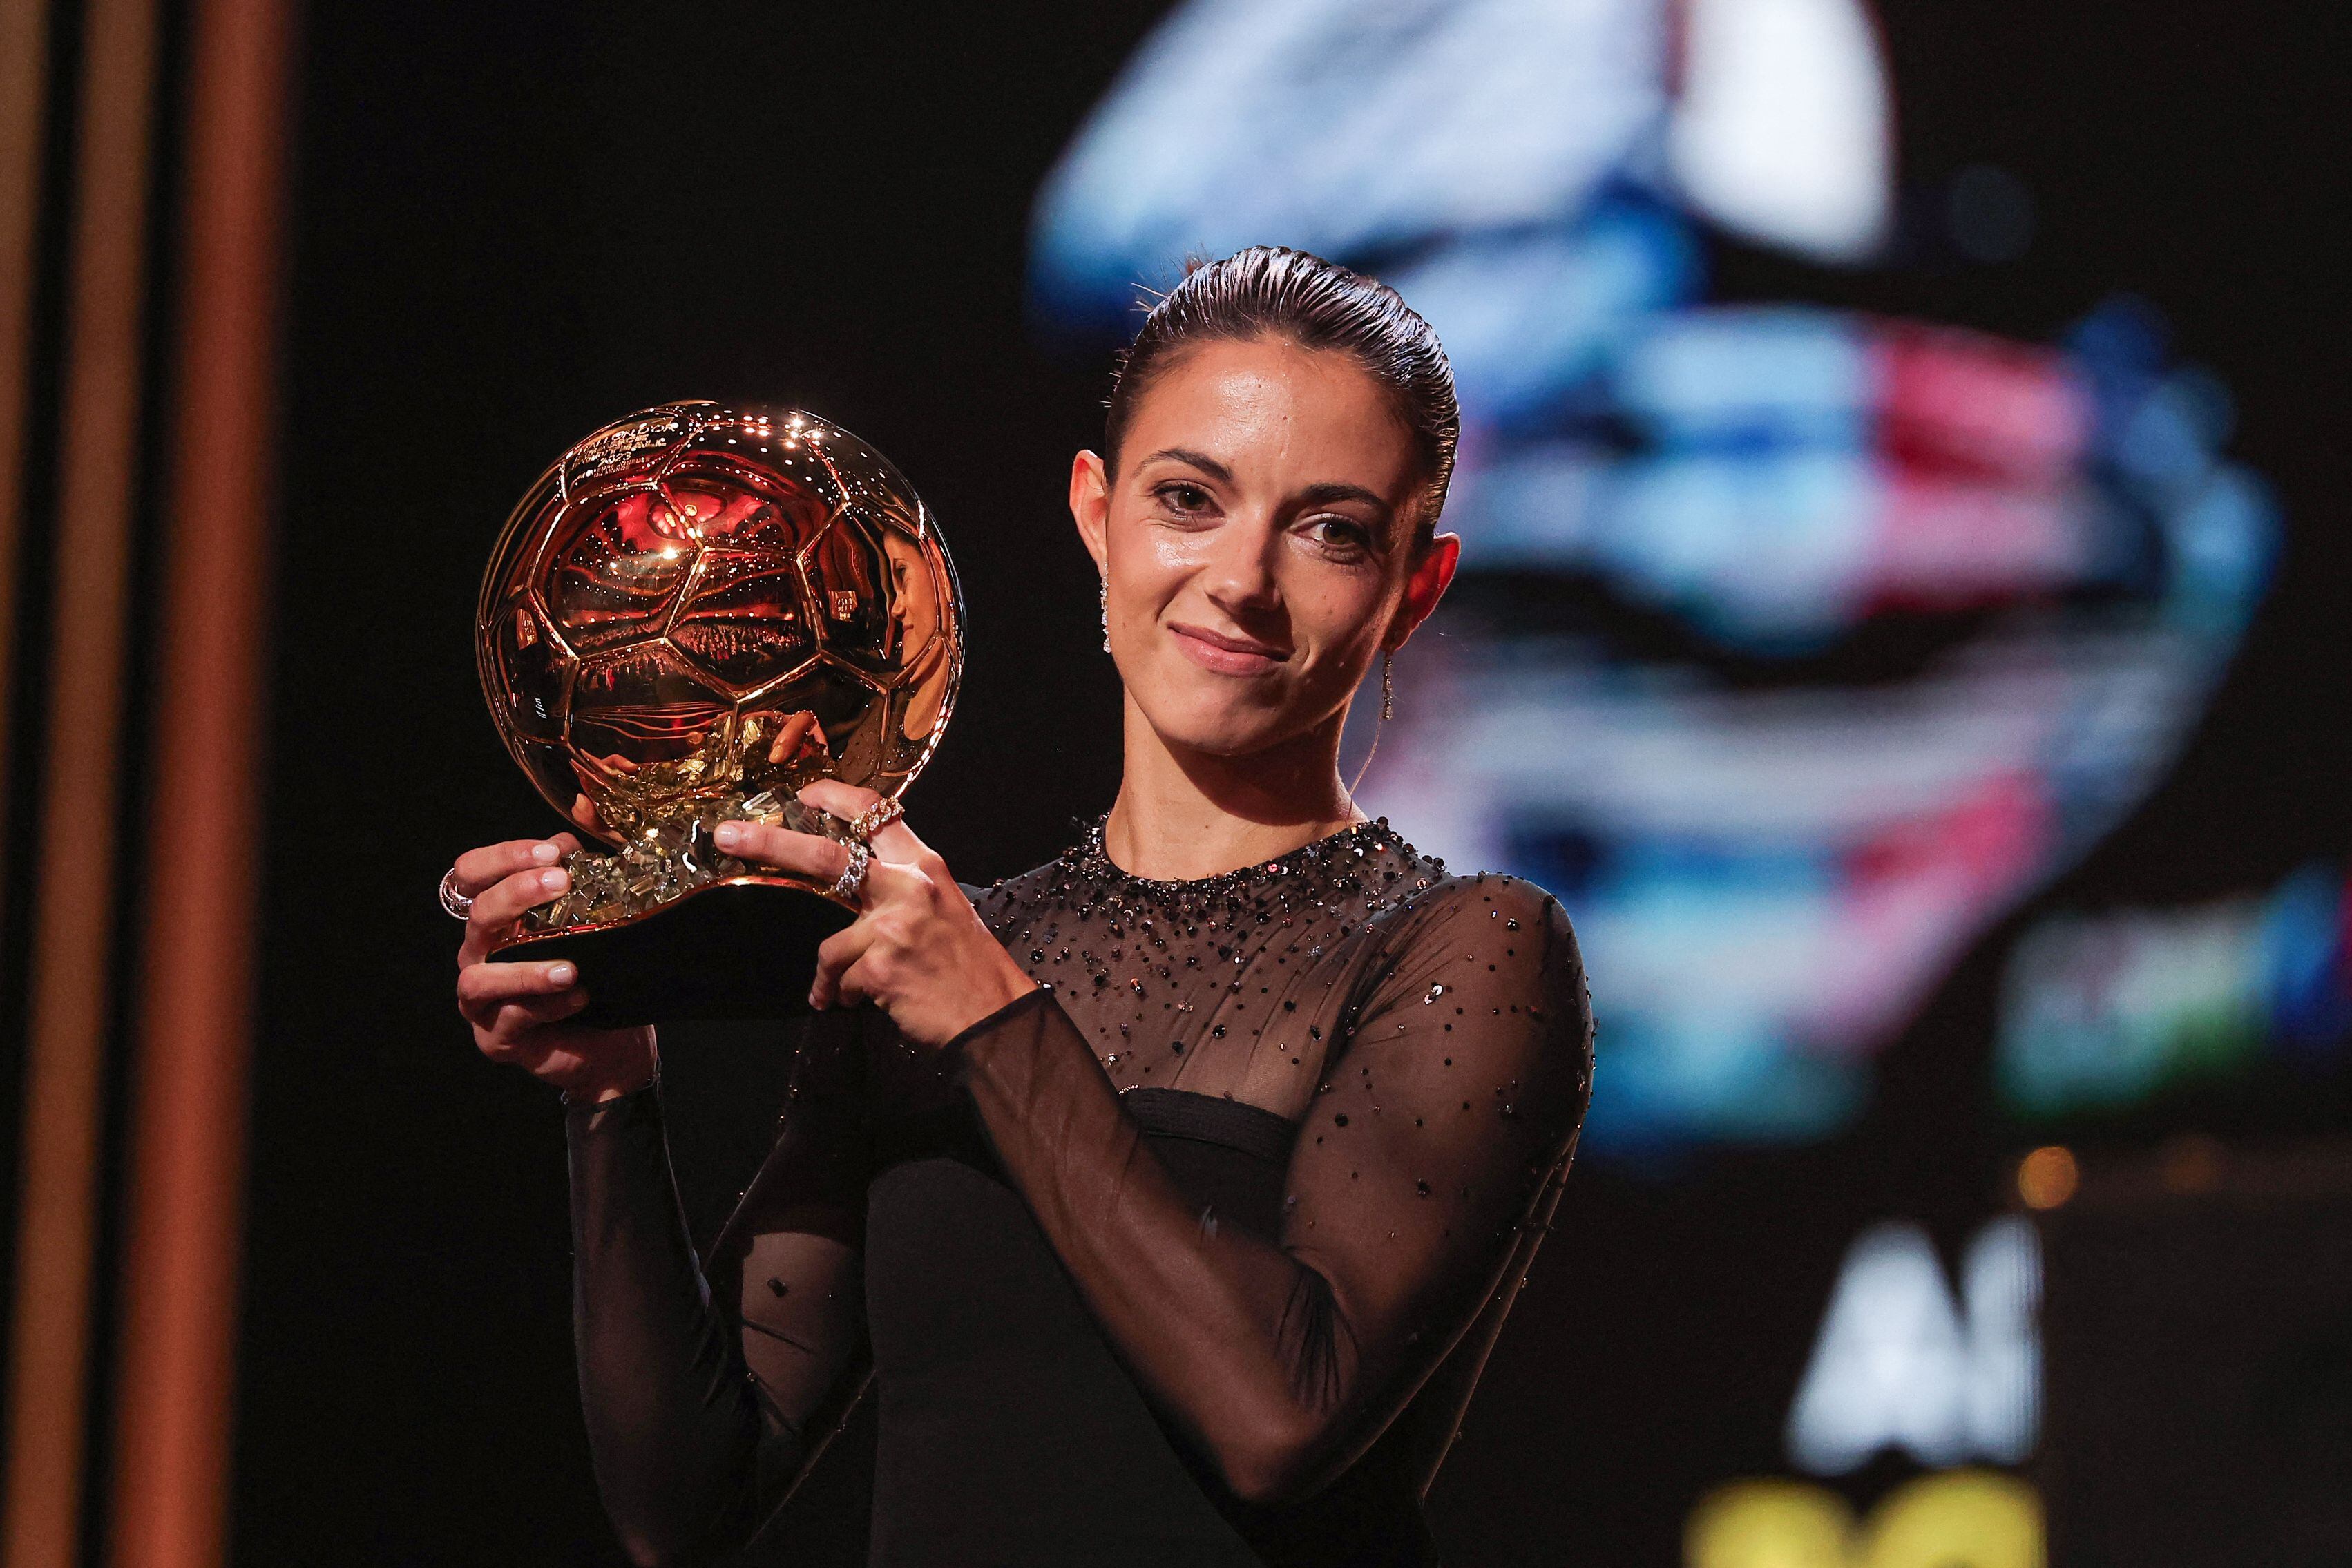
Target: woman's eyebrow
(1201,460)
(1337,490)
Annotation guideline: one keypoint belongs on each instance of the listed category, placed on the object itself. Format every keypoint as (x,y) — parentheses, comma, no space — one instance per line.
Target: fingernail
(729,835)
(546,854)
(560,974)
(553,881)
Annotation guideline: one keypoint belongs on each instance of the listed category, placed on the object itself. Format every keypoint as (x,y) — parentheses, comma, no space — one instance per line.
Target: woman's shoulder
(1434,904)
(1496,937)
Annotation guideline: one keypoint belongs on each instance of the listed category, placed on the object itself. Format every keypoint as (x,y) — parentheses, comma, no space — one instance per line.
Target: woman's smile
(1225,653)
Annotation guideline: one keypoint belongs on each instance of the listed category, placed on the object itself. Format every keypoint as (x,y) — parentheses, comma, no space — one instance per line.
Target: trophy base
(741,949)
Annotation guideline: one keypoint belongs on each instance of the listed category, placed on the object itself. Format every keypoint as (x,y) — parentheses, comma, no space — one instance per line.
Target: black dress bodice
(1077,1465)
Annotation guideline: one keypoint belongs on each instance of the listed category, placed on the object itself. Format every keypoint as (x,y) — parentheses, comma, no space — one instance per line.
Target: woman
(1174,1191)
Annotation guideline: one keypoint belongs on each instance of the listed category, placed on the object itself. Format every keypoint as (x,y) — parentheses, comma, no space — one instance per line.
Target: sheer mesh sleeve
(1443,1111)
(1433,1138)
(698,1403)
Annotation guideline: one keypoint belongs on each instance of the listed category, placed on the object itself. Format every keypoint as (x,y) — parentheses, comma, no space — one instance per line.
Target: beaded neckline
(1346,850)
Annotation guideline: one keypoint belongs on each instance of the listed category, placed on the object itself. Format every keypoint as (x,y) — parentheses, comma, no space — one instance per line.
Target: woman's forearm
(1244,1344)
(681,1446)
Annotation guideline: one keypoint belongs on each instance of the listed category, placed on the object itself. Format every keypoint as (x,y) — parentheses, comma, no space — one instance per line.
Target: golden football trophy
(697,611)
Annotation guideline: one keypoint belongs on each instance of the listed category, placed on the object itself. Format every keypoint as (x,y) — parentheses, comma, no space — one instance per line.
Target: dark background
(516,221)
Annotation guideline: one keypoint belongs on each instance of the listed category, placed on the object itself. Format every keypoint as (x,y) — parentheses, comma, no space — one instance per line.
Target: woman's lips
(1226,654)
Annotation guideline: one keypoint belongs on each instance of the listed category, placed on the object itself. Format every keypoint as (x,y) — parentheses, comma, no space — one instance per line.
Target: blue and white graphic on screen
(1793,647)
(2102,1012)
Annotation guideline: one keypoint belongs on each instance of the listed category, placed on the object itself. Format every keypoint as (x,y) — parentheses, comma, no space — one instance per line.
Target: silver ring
(455,904)
(875,818)
(846,887)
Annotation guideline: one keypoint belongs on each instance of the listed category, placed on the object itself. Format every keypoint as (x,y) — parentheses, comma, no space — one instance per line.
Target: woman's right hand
(518,1010)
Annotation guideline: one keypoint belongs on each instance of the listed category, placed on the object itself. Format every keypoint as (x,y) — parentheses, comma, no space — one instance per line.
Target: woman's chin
(1220,715)
(1230,731)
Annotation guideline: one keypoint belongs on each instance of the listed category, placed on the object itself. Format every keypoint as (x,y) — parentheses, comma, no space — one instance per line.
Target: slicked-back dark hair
(1270,292)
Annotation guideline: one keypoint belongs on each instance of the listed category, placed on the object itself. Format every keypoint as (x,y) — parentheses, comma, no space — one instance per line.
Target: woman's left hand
(917,949)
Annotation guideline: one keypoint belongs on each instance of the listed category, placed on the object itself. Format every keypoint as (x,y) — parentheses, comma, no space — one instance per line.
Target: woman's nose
(1243,574)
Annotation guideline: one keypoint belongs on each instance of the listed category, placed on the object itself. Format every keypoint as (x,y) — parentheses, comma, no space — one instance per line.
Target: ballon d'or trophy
(695,613)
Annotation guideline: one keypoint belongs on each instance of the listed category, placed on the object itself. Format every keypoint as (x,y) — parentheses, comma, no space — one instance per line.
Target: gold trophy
(697,611)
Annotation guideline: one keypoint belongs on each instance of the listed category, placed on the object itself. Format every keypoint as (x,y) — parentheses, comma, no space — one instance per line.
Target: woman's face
(1257,541)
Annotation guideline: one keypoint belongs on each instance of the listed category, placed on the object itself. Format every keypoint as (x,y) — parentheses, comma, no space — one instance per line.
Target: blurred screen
(1793,647)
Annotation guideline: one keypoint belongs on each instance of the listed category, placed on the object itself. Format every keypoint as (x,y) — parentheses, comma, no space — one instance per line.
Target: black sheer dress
(1191,1257)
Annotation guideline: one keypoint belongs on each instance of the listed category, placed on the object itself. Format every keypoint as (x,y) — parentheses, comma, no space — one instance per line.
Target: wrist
(1012,983)
(602,1082)
(585,1098)
(589,1102)
(1009,983)
(989,987)
(958,1054)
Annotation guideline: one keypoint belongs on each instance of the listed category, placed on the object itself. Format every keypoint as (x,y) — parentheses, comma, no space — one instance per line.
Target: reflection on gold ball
(701,603)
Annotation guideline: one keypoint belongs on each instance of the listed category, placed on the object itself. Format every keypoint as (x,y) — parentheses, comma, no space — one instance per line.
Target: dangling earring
(1106,613)
(1388,711)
